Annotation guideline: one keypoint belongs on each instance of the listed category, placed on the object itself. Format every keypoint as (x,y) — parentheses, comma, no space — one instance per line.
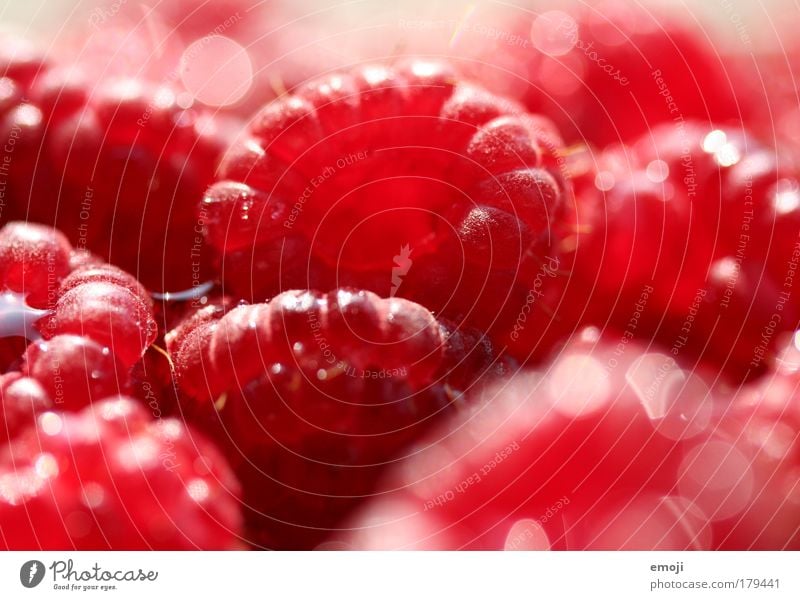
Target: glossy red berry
(402,180)
(690,238)
(313,394)
(551,461)
(605,73)
(75,370)
(96,320)
(116,165)
(109,477)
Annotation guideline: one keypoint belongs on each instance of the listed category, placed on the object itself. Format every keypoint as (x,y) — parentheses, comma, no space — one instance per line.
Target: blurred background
(252,49)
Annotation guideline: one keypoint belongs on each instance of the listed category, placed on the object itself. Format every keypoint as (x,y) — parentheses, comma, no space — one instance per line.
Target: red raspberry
(20,60)
(314,393)
(111,478)
(193,44)
(763,424)
(636,453)
(96,320)
(604,73)
(700,229)
(405,181)
(117,165)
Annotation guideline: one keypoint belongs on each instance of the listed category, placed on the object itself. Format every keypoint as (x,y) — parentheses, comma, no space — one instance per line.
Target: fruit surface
(639,453)
(116,165)
(313,394)
(691,239)
(402,180)
(109,477)
(87,322)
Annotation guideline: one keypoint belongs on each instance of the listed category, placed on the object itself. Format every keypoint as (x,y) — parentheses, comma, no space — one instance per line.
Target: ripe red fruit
(636,453)
(74,370)
(117,166)
(762,425)
(402,180)
(109,477)
(96,320)
(312,394)
(688,230)
(604,73)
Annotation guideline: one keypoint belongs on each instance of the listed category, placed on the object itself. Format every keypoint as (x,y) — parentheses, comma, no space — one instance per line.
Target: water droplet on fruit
(718,478)
(193,293)
(657,171)
(527,534)
(93,494)
(578,396)
(198,490)
(786,196)
(45,466)
(714,141)
(28,116)
(554,32)
(728,155)
(51,423)
(604,181)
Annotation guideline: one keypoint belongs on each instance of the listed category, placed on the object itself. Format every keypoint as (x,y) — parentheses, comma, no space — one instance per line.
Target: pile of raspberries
(537,290)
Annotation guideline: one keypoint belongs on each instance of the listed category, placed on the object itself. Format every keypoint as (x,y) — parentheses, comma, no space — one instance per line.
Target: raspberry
(108,477)
(224,54)
(763,424)
(311,394)
(20,59)
(117,166)
(700,229)
(638,453)
(96,321)
(604,73)
(401,180)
